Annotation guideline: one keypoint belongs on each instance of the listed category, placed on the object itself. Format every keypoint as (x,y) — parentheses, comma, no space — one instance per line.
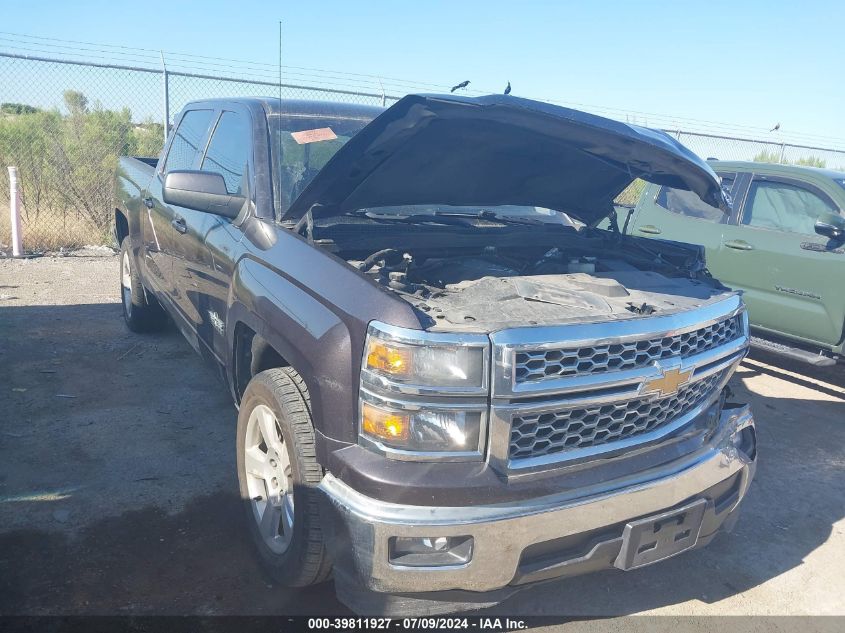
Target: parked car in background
(447,392)
(783,246)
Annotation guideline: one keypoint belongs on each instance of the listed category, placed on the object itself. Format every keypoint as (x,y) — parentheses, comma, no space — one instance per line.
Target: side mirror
(201,190)
(831,226)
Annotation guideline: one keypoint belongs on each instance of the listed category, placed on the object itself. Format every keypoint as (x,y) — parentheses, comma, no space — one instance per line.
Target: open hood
(499,150)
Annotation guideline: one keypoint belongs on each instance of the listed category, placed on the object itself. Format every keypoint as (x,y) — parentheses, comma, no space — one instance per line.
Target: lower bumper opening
(598,549)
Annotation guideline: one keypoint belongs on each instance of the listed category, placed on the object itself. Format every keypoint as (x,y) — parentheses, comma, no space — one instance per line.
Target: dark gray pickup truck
(450,383)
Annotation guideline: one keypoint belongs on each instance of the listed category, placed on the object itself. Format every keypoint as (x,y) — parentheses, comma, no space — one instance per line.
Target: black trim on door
(739,193)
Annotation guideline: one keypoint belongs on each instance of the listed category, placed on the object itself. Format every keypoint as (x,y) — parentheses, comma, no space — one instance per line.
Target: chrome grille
(538,434)
(562,362)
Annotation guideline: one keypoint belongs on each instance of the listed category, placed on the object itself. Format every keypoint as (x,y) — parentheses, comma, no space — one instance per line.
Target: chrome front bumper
(503,532)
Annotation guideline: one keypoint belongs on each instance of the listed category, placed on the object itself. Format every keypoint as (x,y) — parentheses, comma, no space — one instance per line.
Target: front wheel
(278,473)
(141,312)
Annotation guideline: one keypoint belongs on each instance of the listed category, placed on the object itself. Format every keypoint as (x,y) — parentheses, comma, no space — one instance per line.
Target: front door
(792,280)
(681,216)
(202,247)
(183,152)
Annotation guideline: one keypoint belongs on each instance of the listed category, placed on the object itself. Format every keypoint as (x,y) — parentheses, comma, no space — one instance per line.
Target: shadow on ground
(148,562)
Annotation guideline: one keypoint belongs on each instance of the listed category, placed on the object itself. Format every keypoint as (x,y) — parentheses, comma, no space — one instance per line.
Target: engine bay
(489,289)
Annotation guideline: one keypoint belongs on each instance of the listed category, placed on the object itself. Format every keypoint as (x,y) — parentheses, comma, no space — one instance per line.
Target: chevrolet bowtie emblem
(668,383)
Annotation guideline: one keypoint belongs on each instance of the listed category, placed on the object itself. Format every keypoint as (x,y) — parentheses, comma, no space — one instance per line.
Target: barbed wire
(264,71)
(153,55)
(257,70)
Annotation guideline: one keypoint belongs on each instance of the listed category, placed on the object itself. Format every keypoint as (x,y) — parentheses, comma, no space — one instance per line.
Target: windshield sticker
(314,136)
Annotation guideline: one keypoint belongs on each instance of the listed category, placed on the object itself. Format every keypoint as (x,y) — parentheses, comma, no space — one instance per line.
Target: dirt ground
(118,492)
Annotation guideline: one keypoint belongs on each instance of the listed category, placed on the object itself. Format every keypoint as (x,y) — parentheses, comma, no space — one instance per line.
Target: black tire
(141,310)
(305,561)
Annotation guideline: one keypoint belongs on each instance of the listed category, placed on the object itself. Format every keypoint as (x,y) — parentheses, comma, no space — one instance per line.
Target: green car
(783,245)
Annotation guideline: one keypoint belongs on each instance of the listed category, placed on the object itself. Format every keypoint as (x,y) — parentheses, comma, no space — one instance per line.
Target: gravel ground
(118,492)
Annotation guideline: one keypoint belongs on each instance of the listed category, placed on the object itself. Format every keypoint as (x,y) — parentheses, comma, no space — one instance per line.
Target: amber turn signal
(387,425)
(388,359)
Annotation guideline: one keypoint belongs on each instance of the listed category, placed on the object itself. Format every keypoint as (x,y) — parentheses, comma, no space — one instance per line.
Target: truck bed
(134,174)
(152,161)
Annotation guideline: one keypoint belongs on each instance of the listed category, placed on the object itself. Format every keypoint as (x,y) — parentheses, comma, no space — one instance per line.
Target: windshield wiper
(420,218)
(485,214)
(446,217)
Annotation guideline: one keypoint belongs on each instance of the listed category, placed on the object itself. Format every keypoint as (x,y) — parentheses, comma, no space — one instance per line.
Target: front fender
(307,334)
(313,308)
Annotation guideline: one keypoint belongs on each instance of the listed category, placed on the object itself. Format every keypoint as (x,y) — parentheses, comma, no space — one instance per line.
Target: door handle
(179,225)
(650,229)
(739,245)
(148,202)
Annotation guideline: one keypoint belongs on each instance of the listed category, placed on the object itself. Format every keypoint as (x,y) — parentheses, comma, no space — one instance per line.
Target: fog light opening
(430,551)
(745,440)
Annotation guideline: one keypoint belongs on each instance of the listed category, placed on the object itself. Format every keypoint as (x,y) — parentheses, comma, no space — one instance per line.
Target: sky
(724,67)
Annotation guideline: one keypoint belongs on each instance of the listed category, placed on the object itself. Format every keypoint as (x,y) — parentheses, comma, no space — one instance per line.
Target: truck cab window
(186,141)
(689,204)
(784,207)
(229,149)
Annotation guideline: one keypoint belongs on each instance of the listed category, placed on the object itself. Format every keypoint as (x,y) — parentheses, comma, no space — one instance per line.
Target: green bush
(767,156)
(17,108)
(811,161)
(67,163)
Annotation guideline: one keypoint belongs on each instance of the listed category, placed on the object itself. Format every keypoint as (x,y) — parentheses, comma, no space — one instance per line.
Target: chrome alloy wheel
(126,283)
(269,478)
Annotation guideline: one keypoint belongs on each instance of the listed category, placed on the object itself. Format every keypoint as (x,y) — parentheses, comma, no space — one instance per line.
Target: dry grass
(52,231)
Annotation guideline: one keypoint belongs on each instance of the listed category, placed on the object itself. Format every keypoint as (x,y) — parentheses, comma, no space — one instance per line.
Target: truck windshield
(303,144)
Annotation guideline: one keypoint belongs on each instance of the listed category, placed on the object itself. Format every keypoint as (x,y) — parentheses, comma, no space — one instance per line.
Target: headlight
(433,366)
(421,431)
(424,395)
(420,427)
(413,361)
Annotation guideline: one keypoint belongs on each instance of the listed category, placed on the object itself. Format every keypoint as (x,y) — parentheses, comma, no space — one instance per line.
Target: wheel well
(252,355)
(121,226)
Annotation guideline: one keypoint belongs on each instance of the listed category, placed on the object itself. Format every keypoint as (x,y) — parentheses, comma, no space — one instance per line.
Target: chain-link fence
(65,123)
(711,146)
(733,148)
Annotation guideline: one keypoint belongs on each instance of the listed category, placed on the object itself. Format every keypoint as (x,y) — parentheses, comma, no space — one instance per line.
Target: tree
(146,139)
(67,164)
(25,141)
(75,102)
(17,108)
